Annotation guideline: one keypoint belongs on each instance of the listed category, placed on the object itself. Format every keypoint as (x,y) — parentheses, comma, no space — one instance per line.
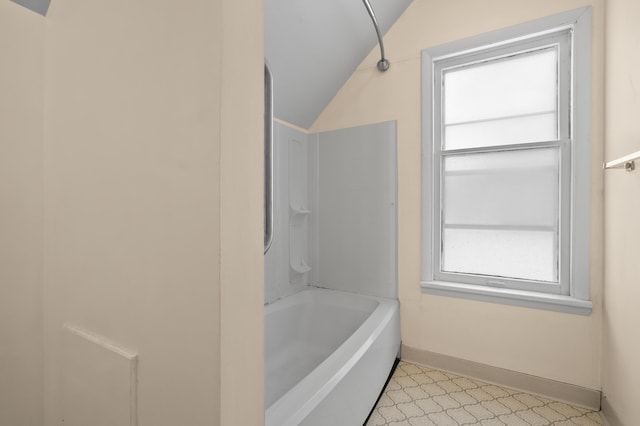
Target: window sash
(562,39)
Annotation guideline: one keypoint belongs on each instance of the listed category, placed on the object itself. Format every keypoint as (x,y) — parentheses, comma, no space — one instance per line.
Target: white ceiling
(313,46)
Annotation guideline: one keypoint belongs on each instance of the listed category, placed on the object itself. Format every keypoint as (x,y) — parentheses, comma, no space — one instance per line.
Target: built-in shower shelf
(300,211)
(302,268)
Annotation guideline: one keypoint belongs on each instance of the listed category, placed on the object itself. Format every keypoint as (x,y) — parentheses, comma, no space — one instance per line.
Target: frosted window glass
(501,253)
(509,188)
(532,128)
(525,84)
(504,197)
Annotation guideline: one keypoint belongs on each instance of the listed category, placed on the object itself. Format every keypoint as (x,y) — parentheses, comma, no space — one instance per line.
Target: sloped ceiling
(313,46)
(39,6)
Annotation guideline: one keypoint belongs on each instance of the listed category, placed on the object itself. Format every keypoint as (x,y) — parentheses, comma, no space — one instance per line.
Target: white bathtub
(327,356)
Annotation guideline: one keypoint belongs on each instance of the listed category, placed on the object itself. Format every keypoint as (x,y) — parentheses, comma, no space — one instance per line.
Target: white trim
(427,108)
(573,273)
(509,296)
(581,157)
(510,34)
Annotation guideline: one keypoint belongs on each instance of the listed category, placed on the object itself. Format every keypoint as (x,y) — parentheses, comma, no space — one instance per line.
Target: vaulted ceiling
(313,46)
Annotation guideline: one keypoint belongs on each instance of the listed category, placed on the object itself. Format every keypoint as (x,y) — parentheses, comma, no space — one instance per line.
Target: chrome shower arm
(383,63)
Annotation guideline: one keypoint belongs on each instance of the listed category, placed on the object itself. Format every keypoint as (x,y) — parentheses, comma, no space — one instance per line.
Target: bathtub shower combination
(332,317)
(332,321)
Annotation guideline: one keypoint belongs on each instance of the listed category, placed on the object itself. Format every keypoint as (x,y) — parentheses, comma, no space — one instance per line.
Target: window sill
(527,299)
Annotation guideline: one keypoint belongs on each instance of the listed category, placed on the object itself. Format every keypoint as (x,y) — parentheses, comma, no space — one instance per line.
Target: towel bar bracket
(628,162)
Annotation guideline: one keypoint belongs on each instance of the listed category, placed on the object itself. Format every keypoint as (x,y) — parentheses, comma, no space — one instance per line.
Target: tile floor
(421,396)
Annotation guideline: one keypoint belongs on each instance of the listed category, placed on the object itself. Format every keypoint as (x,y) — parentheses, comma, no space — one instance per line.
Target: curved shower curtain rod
(383,64)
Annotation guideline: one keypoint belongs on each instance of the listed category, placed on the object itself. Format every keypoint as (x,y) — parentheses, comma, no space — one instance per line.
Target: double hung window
(505,155)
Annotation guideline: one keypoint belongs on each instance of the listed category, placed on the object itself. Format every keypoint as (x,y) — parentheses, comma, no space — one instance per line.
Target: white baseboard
(566,392)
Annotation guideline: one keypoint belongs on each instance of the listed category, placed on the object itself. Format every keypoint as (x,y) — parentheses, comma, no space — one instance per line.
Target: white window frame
(572,294)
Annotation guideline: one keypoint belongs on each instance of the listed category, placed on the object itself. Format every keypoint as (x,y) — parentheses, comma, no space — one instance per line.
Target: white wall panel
(279,280)
(357,210)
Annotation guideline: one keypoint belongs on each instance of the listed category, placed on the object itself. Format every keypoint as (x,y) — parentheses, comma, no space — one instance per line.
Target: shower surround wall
(357,210)
(292,183)
(335,211)
(328,350)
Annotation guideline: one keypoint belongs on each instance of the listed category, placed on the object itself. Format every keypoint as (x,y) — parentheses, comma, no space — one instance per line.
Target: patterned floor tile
(410,409)
(479,412)
(422,396)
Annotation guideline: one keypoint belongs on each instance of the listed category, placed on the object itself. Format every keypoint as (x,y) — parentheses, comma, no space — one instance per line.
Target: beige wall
(621,352)
(21,109)
(547,344)
(242,217)
(152,230)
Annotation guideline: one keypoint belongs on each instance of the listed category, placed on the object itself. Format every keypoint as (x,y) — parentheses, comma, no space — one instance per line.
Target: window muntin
(502,165)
